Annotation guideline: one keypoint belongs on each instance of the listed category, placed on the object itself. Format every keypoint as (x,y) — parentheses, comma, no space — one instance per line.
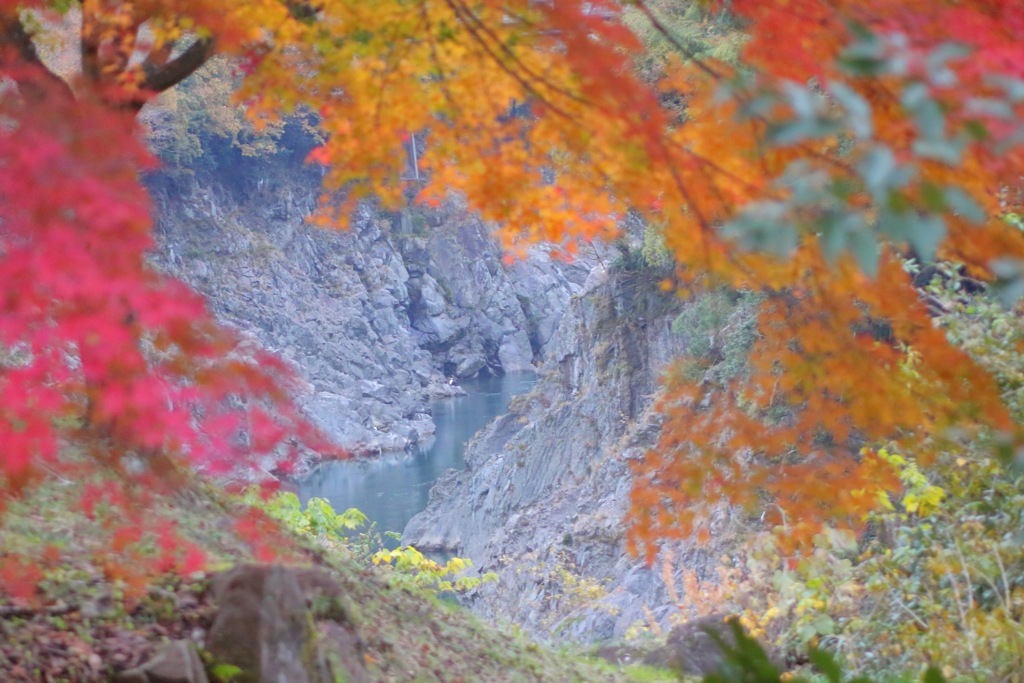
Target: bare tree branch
(159,77)
(158,72)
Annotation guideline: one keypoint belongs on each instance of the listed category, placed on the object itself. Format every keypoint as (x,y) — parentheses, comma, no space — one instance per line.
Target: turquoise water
(390,489)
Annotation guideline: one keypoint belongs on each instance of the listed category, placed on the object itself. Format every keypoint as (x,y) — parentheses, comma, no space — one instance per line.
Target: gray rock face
(473,312)
(375,318)
(546,486)
(334,304)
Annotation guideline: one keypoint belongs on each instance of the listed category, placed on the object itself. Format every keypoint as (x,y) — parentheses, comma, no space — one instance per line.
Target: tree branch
(89,43)
(16,46)
(158,76)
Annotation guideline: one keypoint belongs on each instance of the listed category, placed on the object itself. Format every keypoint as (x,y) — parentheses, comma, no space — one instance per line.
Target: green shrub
(939,580)
(405,565)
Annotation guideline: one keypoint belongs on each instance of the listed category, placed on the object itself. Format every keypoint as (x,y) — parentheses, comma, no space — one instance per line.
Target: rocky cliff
(546,486)
(377,319)
(381,318)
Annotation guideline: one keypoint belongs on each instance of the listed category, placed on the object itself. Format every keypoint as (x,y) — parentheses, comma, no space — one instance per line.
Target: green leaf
(757,106)
(914,95)
(877,168)
(286,500)
(225,672)
(862,64)
(824,662)
(930,120)
(896,204)
(362,36)
(792,132)
(963,204)
(823,625)
(933,196)
(933,675)
(806,633)
(745,660)
(61,6)
(833,240)
(858,110)
(804,184)
(801,99)
(990,106)
(352,518)
(1009,284)
(936,62)
(1013,87)
(865,250)
(763,227)
(925,233)
(947,151)
(842,189)
(976,130)
(862,32)
(865,57)
(836,230)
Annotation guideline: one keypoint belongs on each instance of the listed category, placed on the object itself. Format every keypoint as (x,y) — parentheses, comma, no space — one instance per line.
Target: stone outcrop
(176,661)
(267,626)
(467,307)
(378,319)
(546,486)
(695,647)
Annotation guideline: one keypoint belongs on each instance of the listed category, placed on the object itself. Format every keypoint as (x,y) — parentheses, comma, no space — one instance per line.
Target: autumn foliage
(872,136)
(851,135)
(106,364)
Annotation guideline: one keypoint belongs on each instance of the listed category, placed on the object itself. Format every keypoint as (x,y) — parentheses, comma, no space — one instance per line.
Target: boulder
(515,353)
(174,662)
(264,626)
(692,649)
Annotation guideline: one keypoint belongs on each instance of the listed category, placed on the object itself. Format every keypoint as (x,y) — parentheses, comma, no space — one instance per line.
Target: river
(390,489)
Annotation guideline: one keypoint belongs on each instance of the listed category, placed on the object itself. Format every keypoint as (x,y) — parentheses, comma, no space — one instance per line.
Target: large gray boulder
(173,662)
(265,625)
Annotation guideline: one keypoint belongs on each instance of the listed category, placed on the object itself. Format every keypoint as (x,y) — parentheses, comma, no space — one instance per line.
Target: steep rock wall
(546,486)
(377,319)
(474,312)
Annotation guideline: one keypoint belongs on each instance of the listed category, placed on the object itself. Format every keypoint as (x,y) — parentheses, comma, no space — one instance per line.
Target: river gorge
(392,487)
(387,323)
